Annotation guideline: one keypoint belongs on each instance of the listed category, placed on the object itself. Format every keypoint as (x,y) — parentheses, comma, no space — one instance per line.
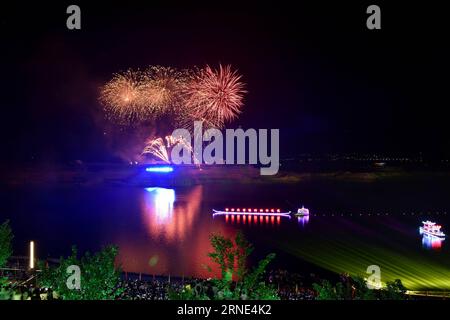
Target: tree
(237,282)
(231,257)
(6,237)
(99,276)
(355,288)
(325,291)
(360,290)
(394,290)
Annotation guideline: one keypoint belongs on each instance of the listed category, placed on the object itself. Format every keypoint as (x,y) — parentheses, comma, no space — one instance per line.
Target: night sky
(315,72)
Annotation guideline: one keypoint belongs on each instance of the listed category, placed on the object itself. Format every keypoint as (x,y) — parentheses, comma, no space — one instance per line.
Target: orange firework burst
(163,86)
(215,96)
(209,95)
(122,97)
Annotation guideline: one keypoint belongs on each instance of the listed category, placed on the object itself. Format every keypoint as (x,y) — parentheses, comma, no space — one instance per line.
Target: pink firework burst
(215,96)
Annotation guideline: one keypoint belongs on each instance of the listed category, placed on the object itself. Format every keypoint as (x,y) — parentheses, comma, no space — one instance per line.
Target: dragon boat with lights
(268,212)
(432,229)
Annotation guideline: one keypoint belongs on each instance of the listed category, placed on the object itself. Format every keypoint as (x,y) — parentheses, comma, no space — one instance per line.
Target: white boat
(432,229)
(302,212)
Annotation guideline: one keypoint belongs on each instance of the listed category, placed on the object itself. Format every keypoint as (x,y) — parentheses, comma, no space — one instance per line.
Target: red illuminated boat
(253,212)
(432,229)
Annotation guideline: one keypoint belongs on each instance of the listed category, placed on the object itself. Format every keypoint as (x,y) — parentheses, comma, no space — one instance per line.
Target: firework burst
(214,96)
(161,150)
(163,87)
(209,95)
(157,148)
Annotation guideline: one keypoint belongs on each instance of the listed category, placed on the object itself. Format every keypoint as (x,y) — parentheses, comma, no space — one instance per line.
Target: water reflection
(252,219)
(303,220)
(163,200)
(431,243)
(170,238)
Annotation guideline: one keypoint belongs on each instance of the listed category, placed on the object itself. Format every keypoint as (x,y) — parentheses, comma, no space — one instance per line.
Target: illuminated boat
(252,212)
(302,212)
(432,229)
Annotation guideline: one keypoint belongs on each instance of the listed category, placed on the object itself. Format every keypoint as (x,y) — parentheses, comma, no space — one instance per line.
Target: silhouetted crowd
(155,289)
(290,286)
(299,294)
(27,292)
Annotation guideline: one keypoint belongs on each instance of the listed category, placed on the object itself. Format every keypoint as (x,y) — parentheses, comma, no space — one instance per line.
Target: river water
(166,231)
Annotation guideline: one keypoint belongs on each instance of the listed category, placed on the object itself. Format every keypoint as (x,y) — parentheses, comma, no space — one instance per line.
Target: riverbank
(135,175)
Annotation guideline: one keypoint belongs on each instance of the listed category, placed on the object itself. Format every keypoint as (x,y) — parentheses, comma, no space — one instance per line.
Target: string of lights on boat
(232,211)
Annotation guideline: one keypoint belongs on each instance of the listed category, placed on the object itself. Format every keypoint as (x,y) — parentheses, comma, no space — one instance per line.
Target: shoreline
(129,176)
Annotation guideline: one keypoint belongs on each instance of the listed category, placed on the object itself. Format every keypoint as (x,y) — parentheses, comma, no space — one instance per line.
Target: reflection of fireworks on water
(179,237)
(163,218)
(161,150)
(214,96)
(122,97)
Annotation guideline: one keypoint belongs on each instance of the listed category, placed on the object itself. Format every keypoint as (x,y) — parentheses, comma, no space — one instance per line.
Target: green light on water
(418,271)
